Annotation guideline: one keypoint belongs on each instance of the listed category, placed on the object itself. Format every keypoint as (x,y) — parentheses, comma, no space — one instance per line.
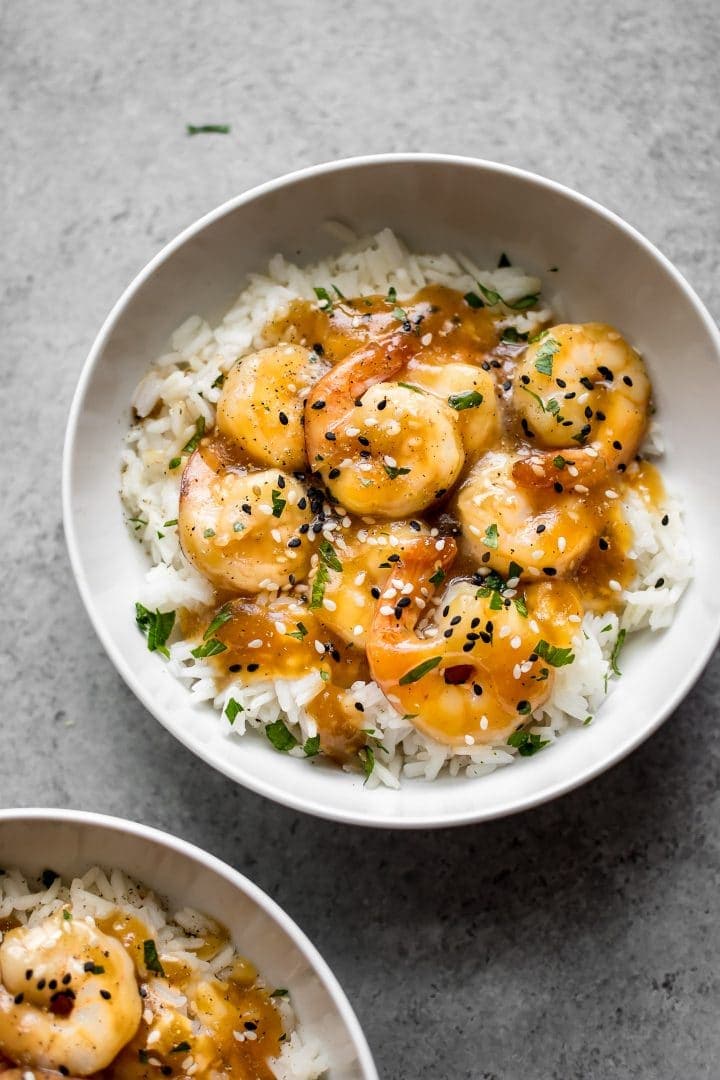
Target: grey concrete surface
(577,941)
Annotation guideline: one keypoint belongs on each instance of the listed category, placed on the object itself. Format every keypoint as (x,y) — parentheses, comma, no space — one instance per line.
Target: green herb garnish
(544,356)
(174,462)
(207,129)
(493,298)
(282,992)
(616,652)
(233,709)
(422,669)
(300,633)
(391,295)
(279,735)
(209,648)
(511,336)
(473,300)
(329,557)
(394,471)
(409,386)
(555,656)
(520,604)
(151,958)
(194,442)
(312,746)
(167,524)
(324,297)
(559,462)
(526,743)
(367,759)
(278,503)
(469,399)
(490,539)
(181,1048)
(400,314)
(438,577)
(157,625)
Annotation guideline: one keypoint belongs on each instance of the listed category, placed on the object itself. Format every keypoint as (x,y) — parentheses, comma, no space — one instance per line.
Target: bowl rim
(111,823)
(291,799)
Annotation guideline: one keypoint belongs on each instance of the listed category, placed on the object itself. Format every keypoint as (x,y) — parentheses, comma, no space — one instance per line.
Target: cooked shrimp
(69,999)
(468,389)
(381,448)
(473,675)
(262,403)
(244,531)
(520,531)
(581,384)
(366,560)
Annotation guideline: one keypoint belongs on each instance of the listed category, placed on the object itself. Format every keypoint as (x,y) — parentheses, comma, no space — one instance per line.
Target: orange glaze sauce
(459,332)
(224,1007)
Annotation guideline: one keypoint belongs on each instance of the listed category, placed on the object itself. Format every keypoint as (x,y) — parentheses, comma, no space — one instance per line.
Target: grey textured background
(579,940)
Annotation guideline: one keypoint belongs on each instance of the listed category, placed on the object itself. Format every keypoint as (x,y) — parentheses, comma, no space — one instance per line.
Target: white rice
(97,895)
(179,389)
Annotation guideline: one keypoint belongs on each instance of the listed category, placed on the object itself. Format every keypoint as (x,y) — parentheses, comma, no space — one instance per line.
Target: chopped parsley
(279,735)
(233,709)
(545,354)
(157,625)
(473,300)
(438,577)
(218,382)
(469,399)
(282,992)
(67,915)
(208,533)
(181,1048)
(616,652)
(490,539)
(400,314)
(318,589)
(324,297)
(492,298)
(207,129)
(172,521)
(329,556)
(174,462)
(422,669)
(554,655)
(194,442)
(527,743)
(394,471)
(559,462)
(511,336)
(312,746)
(367,759)
(521,606)
(151,958)
(138,522)
(300,633)
(409,386)
(496,602)
(278,503)
(212,647)
(391,295)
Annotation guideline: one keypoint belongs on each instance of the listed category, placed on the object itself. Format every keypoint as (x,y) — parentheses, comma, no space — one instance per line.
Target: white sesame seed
(537,553)
(319,647)
(371,421)
(440,545)
(610,494)
(362,535)
(517,672)
(513,582)
(431,631)
(572,470)
(504,631)
(153,1037)
(582,398)
(525,666)
(265,509)
(474,530)
(615,585)
(484,723)
(239,1035)
(389,594)
(360,578)
(561,543)
(407,588)
(581,489)
(351,432)
(256,643)
(574,619)
(365,466)
(396,583)
(390,461)
(357,630)
(329,604)
(469,740)
(515,642)
(590,450)
(280,627)
(394,542)
(534,626)
(392,427)
(276,535)
(386,609)
(420,602)
(426,339)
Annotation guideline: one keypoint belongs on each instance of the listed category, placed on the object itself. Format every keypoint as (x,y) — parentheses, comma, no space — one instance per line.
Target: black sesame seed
(468,646)
(295,542)
(41,984)
(485,637)
(440,492)
(282,417)
(659,583)
(382,404)
(18,999)
(52,985)
(397,612)
(489,626)
(588,412)
(105,994)
(475,622)
(570,394)
(317,527)
(330,436)
(393,558)
(317,348)
(558,486)
(363,441)
(447,633)
(318,405)
(622,467)
(599,415)
(485,557)
(627,380)
(281,482)
(587,383)
(416,526)
(507,385)
(403,602)
(617,444)
(665,520)
(166,1070)
(250,1025)
(477,689)
(28,973)
(525,379)
(541,528)
(375,592)
(246,508)
(333,474)
(561,383)
(603,544)
(359,706)
(253,667)
(550,571)
(304,528)
(455,620)
(606,373)
(485,365)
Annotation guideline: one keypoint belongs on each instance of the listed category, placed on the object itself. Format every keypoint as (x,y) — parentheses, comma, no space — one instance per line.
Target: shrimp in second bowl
(580,386)
(262,403)
(521,531)
(69,998)
(381,447)
(473,675)
(244,531)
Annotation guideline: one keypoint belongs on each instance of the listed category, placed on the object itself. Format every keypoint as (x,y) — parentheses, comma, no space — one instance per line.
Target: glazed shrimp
(69,999)
(471,676)
(581,389)
(469,387)
(244,531)
(380,447)
(262,403)
(518,531)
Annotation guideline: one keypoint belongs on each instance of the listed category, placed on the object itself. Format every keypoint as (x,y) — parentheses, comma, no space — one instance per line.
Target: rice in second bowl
(176,403)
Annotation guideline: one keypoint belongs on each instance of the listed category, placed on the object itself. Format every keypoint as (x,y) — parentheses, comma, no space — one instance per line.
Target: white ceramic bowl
(71,842)
(607,272)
